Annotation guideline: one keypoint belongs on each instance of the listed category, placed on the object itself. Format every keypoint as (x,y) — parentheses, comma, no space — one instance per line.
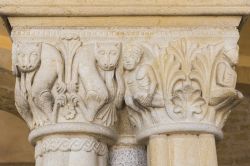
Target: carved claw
(61,100)
(73,87)
(74,98)
(61,87)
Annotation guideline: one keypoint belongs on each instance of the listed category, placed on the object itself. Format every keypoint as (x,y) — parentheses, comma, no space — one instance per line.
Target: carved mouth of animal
(27,69)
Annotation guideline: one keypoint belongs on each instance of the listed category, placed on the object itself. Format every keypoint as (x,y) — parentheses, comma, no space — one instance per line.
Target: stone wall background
(234,150)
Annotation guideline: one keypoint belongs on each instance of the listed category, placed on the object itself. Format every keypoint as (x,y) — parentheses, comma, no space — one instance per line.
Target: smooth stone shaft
(182,150)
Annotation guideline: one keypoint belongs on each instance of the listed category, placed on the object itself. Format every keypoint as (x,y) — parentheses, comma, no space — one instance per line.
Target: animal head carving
(107,55)
(28,56)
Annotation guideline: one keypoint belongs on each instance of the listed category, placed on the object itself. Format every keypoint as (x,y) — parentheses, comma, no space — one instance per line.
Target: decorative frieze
(64,144)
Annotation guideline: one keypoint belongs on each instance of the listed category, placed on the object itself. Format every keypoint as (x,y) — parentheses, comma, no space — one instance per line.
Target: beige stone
(130,21)
(174,75)
(124,7)
(182,149)
(158,151)
(74,80)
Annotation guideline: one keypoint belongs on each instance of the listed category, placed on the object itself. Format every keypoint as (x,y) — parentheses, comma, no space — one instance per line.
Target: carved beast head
(107,55)
(27,56)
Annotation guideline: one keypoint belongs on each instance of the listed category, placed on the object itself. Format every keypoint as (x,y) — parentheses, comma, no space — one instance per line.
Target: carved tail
(120,87)
(22,104)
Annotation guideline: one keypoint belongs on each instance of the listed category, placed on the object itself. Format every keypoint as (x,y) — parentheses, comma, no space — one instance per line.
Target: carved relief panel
(169,79)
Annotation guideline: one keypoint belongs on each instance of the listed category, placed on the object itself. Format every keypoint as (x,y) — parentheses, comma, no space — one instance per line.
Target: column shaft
(182,149)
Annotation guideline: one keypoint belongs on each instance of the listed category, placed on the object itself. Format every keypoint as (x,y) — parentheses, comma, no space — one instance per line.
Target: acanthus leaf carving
(68,46)
(187,104)
(185,75)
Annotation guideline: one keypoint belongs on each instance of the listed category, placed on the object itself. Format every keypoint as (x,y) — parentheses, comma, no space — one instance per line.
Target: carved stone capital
(169,79)
(187,85)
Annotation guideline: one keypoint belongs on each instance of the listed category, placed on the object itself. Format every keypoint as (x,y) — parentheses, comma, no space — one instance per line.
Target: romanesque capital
(184,85)
(71,82)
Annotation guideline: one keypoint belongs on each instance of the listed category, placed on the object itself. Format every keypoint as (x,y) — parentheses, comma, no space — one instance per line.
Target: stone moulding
(108,135)
(175,128)
(124,7)
(126,21)
(64,144)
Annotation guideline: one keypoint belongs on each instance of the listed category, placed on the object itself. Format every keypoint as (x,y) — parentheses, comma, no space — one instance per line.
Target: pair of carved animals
(41,87)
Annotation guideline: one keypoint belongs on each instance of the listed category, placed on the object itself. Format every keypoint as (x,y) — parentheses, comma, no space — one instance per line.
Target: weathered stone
(173,77)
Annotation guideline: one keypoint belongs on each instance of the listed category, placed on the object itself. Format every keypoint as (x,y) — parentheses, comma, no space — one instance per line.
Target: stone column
(182,149)
(68,92)
(180,92)
(127,151)
(176,80)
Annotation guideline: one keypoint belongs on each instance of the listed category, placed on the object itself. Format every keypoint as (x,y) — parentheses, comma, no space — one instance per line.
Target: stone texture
(182,149)
(124,7)
(71,81)
(232,151)
(133,155)
(124,21)
(74,80)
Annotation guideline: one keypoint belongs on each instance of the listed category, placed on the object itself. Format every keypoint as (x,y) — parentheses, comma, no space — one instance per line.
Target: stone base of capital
(71,144)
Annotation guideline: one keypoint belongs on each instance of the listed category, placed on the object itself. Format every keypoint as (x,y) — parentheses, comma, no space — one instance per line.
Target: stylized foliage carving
(185,74)
(187,104)
(68,46)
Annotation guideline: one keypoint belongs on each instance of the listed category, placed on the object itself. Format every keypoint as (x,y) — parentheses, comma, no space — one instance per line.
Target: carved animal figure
(86,73)
(141,86)
(37,67)
(95,64)
(107,57)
